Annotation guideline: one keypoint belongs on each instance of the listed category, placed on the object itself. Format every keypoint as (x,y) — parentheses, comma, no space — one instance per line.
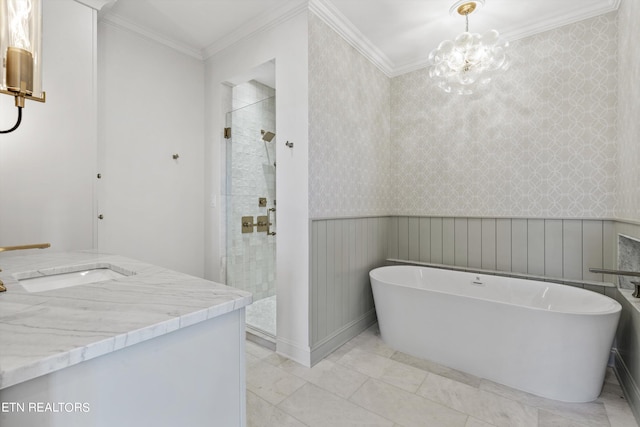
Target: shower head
(267,136)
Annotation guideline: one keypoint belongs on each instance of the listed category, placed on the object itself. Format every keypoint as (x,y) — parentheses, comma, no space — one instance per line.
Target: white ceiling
(397,35)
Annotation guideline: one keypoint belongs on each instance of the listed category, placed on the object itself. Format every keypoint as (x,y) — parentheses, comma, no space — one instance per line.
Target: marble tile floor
(366,383)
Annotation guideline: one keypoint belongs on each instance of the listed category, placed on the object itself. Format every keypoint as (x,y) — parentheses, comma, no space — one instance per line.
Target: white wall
(288,44)
(151,107)
(47,165)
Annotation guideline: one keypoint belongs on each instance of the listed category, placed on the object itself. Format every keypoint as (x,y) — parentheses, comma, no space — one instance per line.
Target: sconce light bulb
(19,17)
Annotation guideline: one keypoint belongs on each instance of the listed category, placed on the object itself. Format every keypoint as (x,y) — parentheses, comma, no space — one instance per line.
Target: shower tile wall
(628,259)
(251,257)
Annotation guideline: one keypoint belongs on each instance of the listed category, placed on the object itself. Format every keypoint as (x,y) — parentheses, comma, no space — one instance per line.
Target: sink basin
(66,280)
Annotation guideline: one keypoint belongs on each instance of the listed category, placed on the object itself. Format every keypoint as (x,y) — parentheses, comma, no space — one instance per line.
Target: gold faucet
(18,248)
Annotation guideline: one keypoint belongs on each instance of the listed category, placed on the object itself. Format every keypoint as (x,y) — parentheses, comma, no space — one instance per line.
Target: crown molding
(96,4)
(326,11)
(552,22)
(418,64)
(120,22)
(264,22)
(331,16)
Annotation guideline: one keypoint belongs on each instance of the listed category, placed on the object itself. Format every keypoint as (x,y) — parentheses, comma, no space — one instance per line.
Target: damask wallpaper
(540,142)
(349,133)
(629,111)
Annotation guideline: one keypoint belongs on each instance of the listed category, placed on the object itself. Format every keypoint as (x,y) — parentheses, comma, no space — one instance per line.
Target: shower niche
(628,259)
(250,200)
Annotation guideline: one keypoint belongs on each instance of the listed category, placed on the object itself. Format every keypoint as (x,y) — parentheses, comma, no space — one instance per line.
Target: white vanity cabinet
(156,348)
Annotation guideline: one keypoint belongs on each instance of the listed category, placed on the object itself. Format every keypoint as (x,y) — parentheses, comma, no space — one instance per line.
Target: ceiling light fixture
(20,47)
(462,65)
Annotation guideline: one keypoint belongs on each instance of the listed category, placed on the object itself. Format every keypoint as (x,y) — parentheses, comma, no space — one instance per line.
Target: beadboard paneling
(535,246)
(519,245)
(489,241)
(553,248)
(414,239)
(503,244)
(572,249)
(592,248)
(403,238)
(448,241)
(460,241)
(557,248)
(425,239)
(393,238)
(343,251)
(436,240)
(474,244)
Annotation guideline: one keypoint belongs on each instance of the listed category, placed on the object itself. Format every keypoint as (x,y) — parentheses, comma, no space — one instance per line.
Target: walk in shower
(251,202)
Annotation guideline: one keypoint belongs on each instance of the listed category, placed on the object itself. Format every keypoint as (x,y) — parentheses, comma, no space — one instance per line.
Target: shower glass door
(251,199)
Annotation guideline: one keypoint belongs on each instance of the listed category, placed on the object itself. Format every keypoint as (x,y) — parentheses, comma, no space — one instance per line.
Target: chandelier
(468,62)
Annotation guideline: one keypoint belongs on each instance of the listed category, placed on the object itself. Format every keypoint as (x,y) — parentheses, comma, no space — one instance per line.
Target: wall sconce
(21,49)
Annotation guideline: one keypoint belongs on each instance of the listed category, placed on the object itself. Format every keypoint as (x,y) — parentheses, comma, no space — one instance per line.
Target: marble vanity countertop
(47,331)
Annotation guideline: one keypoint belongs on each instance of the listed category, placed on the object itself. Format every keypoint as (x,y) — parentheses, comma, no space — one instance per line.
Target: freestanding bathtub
(547,339)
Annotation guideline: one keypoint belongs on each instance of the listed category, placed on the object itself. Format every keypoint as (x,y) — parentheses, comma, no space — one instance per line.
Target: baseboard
(628,384)
(325,347)
(292,351)
(264,340)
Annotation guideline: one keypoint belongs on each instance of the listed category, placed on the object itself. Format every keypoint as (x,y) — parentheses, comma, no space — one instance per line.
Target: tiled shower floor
(366,383)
